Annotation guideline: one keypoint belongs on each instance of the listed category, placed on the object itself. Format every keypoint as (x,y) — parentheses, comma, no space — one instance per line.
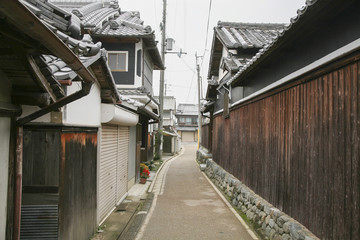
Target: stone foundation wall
(269,221)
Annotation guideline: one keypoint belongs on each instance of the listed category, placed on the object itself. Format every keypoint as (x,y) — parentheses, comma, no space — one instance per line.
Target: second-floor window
(118,61)
(188,120)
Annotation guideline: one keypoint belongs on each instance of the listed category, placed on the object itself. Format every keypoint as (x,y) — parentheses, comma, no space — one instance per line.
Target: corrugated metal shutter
(39,222)
(108,165)
(122,162)
(114,155)
(188,136)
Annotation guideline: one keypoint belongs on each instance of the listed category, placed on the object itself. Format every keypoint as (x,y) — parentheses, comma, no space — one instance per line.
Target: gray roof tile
(275,38)
(247,35)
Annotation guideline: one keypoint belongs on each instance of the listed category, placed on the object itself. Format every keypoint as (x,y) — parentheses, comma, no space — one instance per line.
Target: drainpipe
(18,182)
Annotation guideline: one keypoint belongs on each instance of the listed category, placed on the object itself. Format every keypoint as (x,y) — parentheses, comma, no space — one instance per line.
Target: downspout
(27,22)
(18,182)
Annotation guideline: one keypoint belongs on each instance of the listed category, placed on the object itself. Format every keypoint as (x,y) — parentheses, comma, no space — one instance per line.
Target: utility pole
(199,97)
(161,91)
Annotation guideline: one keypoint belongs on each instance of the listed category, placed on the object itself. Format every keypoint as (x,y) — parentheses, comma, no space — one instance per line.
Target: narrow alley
(186,206)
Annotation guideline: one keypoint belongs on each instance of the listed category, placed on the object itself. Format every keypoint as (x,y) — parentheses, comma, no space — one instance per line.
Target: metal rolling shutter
(39,222)
(114,155)
(122,167)
(108,165)
(188,136)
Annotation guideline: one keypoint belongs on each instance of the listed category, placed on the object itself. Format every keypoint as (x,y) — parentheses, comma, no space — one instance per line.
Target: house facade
(51,153)
(132,56)
(293,117)
(187,122)
(172,140)
(66,130)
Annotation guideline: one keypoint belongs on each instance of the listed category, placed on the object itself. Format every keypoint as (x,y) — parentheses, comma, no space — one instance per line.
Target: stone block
(286,237)
(243,209)
(263,226)
(267,231)
(249,214)
(262,216)
(272,233)
(267,219)
(272,223)
(282,219)
(202,167)
(275,213)
(277,237)
(254,208)
(286,227)
(295,231)
(267,210)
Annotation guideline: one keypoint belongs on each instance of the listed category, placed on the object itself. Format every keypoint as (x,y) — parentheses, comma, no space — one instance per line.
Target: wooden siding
(299,149)
(205,136)
(41,157)
(77,192)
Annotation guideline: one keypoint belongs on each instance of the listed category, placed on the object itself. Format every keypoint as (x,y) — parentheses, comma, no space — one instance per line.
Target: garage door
(114,152)
(188,136)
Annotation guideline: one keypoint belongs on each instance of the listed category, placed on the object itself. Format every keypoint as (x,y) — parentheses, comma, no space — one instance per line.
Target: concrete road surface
(186,206)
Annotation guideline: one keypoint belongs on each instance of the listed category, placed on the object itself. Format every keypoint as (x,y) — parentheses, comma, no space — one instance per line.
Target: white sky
(187,24)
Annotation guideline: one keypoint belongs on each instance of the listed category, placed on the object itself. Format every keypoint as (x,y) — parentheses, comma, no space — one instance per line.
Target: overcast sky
(187,22)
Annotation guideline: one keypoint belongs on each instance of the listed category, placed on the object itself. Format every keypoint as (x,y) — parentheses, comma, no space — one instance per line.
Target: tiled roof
(247,35)
(233,63)
(55,16)
(187,109)
(245,38)
(105,19)
(133,91)
(293,21)
(108,20)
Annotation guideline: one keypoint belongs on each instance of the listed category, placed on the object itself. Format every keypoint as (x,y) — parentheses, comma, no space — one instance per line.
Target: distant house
(172,140)
(289,127)
(187,119)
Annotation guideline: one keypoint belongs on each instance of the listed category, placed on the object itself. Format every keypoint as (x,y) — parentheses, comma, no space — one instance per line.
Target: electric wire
(207,32)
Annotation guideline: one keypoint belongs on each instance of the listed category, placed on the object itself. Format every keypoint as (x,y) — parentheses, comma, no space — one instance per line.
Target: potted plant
(144,173)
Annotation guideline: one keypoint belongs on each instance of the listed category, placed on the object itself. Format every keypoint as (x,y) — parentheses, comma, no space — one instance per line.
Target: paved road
(186,206)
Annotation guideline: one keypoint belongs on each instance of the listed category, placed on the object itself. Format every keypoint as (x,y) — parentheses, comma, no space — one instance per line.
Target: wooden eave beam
(41,80)
(9,110)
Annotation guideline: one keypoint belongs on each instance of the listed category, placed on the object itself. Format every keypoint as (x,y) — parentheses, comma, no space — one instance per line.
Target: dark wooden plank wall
(299,149)
(41,157)
(205,136)
(77,203)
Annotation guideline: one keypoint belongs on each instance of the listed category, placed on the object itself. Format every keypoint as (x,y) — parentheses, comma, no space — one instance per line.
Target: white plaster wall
(222,73)
(5,124)
(138,80)
(4,163)
(85,111)
(27,110)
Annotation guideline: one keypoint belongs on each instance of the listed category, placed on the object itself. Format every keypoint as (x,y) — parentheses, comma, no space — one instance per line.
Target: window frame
(126,60)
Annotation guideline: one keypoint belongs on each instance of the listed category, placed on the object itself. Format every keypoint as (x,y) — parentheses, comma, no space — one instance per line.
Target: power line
(207,31)
(189,67)
(192,79)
